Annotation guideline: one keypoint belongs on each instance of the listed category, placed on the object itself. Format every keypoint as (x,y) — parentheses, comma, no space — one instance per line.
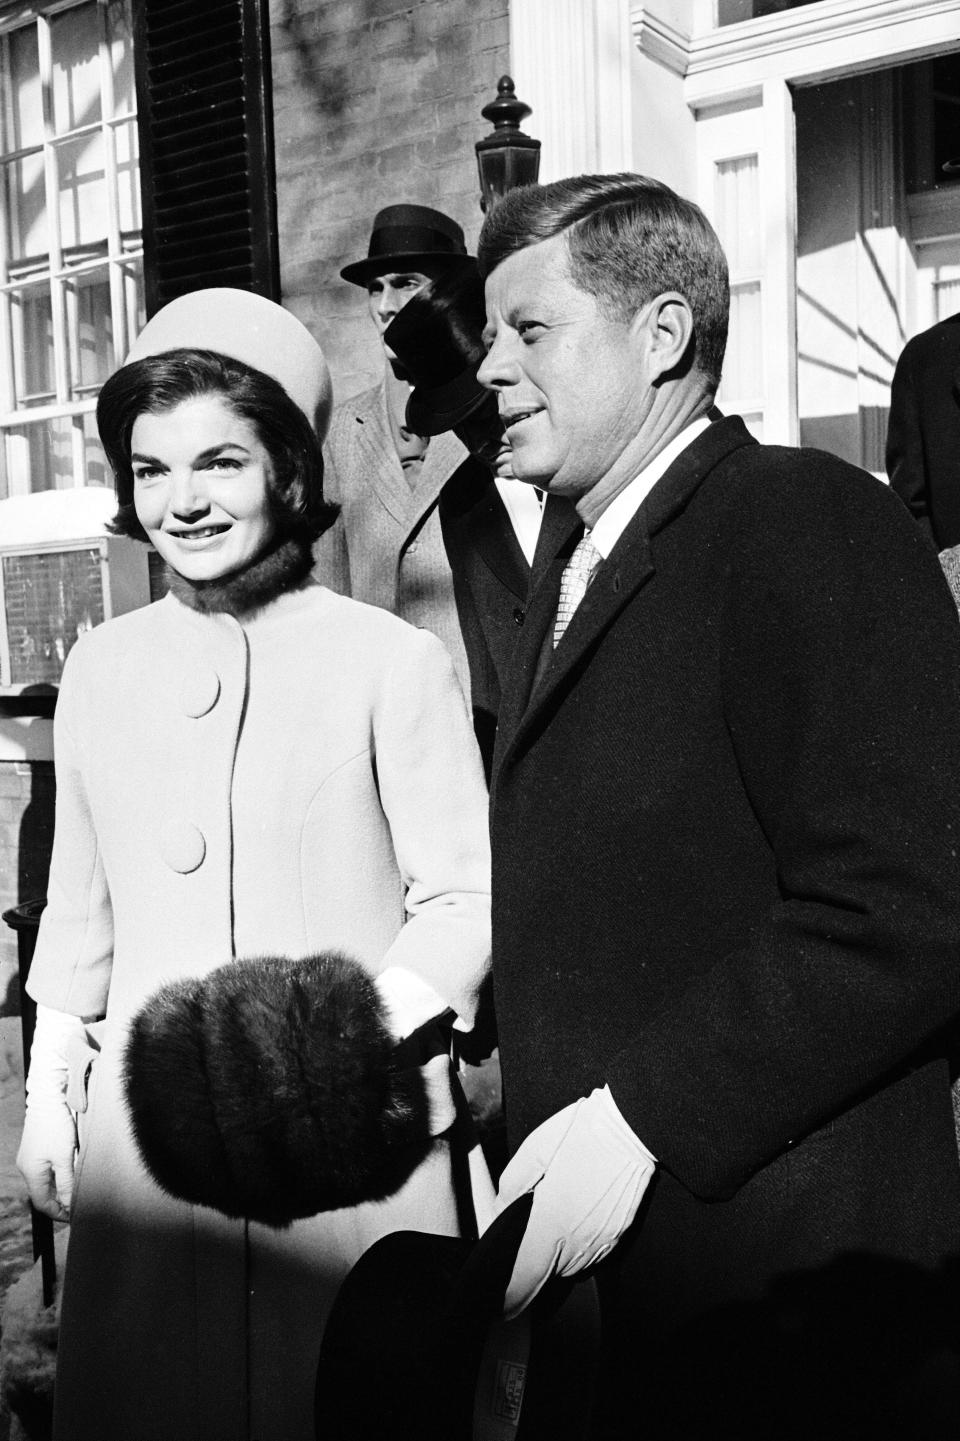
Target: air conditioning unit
(61,573)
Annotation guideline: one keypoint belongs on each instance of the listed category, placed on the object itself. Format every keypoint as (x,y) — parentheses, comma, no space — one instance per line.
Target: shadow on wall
(847,435)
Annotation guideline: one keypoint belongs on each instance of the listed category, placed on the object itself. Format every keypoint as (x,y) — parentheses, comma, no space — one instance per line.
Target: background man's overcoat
(306,780)
(726,881)
(491,581)
(923,437)
(387,548)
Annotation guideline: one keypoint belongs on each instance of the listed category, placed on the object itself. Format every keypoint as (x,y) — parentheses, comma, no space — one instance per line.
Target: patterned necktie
(573,583)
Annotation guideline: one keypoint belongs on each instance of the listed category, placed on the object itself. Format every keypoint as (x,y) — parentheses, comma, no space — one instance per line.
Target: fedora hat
(415,1347)
(250,328)
(437,338)
(408,237)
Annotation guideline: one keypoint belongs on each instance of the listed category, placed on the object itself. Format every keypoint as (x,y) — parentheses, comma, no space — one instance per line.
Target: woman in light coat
(252,765)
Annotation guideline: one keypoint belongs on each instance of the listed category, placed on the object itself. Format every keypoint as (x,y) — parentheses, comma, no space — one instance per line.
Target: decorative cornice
(907,28)
(660,40)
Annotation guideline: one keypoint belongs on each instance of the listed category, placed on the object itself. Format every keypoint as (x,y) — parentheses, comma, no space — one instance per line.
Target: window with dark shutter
(206,147)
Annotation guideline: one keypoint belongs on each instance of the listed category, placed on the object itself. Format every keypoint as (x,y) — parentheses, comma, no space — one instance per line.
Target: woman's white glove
(60,1059)
(588,1172)
(410,1002)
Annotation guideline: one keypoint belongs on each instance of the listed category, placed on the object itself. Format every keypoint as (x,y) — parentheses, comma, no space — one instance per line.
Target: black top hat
(407,237)
(437,338)
(414,1348)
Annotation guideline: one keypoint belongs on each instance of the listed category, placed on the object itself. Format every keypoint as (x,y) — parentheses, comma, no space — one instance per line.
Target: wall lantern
(506,157)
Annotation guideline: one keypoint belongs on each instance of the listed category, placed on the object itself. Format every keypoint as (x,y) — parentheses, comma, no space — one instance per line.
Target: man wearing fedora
(386,547)
(725,822)
(496,530)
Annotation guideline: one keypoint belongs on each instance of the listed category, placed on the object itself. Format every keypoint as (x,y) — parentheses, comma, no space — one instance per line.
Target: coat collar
(471,496)
(378,457)
(538,674)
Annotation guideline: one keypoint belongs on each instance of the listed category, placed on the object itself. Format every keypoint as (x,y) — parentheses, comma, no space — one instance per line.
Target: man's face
(388,294)
(572,385)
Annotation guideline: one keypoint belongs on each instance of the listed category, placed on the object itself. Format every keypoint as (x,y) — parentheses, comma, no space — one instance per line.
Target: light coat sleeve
(330,555)
(73,957)
(434,797)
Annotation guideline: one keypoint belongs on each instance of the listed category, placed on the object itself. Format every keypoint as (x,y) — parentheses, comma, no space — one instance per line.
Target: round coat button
(519,616)
(182,846)
(200,692)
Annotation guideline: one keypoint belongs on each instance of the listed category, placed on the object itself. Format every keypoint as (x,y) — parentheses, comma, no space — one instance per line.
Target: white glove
(410,1002)
(60,1059)
(588,1172)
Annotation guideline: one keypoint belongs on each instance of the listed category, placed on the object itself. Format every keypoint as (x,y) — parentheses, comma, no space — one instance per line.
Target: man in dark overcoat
(726,822)
(923,433)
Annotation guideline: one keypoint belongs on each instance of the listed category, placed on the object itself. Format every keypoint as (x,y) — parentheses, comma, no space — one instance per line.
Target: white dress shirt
(524,506)
(621,510)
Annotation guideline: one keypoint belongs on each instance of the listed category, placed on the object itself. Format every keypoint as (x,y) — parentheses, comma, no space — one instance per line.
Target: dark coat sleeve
(840,675)
(906,462)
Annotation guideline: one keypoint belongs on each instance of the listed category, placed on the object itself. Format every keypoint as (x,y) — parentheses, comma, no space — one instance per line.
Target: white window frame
(122,261)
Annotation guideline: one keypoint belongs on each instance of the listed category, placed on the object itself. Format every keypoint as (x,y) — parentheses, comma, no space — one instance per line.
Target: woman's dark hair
(159,382)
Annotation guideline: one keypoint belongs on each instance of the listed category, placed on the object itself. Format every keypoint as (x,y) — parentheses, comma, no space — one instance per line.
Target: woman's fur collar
(282,568)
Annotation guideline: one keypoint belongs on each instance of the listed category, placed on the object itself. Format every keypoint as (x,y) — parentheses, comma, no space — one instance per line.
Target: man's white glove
(588,1172)
(60,1059)
(410,1002)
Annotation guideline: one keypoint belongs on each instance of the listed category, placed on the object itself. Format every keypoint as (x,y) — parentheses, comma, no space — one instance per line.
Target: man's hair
(158,383)
(630,239)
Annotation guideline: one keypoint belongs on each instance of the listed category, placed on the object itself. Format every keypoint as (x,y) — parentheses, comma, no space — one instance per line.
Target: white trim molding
(807,45)
(571,62)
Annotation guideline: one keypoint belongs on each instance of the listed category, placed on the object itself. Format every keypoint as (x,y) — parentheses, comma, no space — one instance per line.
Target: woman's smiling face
(201,478)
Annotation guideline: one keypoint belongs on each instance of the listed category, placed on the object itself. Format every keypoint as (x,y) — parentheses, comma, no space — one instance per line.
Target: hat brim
(361,272)
(431,412)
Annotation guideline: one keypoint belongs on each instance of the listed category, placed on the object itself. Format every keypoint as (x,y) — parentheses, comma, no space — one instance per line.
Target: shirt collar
(621,510)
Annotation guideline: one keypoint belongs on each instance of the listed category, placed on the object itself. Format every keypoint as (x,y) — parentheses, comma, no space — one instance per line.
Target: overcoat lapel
(377,458)
(617,580)
(491,531)
(560,522)
(471,501)
(379,462)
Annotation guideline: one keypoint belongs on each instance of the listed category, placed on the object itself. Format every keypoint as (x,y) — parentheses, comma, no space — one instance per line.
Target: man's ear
(665,325)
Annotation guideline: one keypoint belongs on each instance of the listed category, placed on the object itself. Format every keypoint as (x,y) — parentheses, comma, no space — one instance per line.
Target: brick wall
(26,834)
(375,103)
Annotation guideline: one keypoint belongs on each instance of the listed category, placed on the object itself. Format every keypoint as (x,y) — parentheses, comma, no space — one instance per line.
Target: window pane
(25,110)
(23,208)
(128,176)
(50,600)
(121,52)
(83,191)
(76,68)
(738,213)
(91,331)
(96,470)
(40,457)
(34,382)
(730,11)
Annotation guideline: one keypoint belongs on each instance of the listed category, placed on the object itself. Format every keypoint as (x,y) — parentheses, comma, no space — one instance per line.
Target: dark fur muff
(269,1089)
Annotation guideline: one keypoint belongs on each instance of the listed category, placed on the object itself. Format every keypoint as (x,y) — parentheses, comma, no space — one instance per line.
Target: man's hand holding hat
(588,1173)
